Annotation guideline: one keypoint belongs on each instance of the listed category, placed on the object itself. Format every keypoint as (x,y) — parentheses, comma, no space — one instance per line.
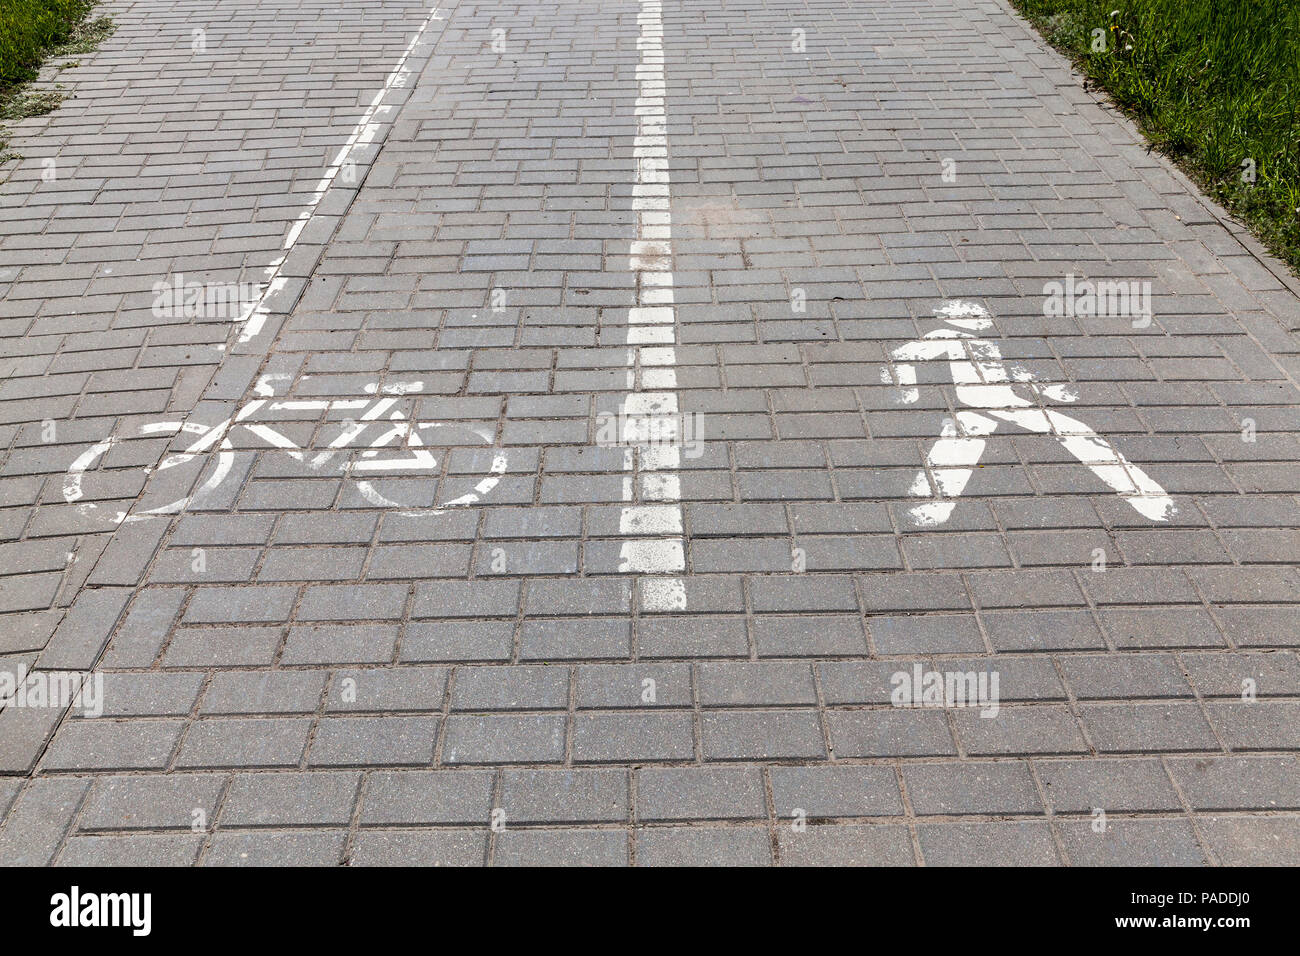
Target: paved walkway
(634,432)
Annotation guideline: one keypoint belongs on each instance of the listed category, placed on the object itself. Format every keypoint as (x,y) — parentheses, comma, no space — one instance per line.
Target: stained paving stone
(306,645)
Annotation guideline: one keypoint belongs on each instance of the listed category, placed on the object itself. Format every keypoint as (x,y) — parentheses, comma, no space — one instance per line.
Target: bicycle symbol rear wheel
(73,480)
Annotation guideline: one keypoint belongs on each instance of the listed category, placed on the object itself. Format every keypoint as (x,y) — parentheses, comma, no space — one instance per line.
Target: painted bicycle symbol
(397,447)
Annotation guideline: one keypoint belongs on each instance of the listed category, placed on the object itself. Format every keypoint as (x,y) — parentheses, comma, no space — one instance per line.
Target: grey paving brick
(526,687)
(340,644)
(39,819)
(989,788)
(421,797)
(105,744)
(1125,786)
(387,689)
(699,793)
(239,605)
(1253,840)
(419,848)
(263,692)
(1121,676)
(703,846)
(1021,843)
(457,641)
(152,803)
(831,791)
(1224,675)
(762,735)
(561,848)
(317,848)
(244,742)
(1132,843)
(1147,728)
(632,736)
(1238,782)
(564,796)
(1033,729)
(134,850)
(755,683)
(83,633)
(889,733)
(575,639)
(1257,724)
(614,686)
(504,738)
(874,845)
(927,634)
(290,799)
(381,740)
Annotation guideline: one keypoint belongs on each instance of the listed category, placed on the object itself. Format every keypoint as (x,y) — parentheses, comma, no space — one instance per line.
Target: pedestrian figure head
(968,316)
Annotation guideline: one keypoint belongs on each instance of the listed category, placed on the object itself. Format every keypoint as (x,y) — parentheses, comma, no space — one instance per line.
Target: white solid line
(363,133)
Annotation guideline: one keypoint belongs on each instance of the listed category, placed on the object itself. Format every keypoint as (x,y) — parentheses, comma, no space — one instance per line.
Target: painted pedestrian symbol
(993,393)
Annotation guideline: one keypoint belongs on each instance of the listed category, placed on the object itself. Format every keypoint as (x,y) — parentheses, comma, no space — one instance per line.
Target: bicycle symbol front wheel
(420,439)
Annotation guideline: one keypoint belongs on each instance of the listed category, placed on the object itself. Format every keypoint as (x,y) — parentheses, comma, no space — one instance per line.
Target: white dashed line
(650,420)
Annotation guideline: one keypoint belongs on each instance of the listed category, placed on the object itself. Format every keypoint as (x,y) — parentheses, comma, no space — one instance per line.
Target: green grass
(30,28)
(1212,83)
(31,31)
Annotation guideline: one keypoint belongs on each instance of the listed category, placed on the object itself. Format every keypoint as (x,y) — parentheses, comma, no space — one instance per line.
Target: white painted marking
(984,384)
(652,518)
(363,133)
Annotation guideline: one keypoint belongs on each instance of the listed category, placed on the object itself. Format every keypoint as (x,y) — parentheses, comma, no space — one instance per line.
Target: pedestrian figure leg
(1131,482)
(950,463)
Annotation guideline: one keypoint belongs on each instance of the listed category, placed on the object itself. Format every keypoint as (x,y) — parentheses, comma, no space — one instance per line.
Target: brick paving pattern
(494,228)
